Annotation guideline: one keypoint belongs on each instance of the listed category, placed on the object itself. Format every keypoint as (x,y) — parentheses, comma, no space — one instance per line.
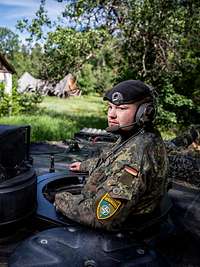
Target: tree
(157,40)
(36,26)
(28,60)
(67,50)
(159,44)
(9,42)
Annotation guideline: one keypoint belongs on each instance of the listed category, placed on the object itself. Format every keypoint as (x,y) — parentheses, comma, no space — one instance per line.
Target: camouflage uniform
(124,182)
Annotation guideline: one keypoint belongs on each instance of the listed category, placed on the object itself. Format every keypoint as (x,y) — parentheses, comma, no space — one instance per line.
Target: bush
(87,79)
(95,80)
(17,103)
(28,101)
(171,104)
(5,101)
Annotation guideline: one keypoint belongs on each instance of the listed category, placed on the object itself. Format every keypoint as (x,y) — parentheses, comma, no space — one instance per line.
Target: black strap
(116,148)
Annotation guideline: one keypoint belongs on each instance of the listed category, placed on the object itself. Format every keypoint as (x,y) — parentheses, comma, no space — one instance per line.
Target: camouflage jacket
(127,180)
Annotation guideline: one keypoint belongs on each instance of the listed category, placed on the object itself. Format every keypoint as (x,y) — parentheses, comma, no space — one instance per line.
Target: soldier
(128,181)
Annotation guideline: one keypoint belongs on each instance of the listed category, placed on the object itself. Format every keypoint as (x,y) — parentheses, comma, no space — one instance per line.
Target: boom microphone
(116,128)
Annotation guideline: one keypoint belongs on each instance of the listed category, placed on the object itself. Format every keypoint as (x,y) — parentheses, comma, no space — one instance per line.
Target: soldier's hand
(75,166)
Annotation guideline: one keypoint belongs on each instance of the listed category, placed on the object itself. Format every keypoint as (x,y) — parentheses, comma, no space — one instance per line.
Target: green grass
(91,105)
(58,119)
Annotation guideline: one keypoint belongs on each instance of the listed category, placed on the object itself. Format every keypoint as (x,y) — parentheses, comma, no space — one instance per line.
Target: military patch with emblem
(107,207)
(131,170)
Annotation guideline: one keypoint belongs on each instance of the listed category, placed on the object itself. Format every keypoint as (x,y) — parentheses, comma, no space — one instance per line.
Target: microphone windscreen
(112,129)
(116,128)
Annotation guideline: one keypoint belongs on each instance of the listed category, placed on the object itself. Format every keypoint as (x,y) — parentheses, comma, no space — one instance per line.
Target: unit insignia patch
(107,207)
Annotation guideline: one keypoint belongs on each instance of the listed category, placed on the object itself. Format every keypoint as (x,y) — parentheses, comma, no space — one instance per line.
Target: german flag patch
(107,207)
(131,170)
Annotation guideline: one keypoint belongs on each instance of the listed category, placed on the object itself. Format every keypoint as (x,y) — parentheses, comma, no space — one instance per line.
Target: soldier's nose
(112,114)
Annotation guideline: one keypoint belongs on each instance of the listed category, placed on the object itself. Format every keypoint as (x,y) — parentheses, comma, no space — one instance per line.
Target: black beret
(127,92)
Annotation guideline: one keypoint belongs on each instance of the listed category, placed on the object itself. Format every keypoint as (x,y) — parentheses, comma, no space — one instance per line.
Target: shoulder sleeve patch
(107,207)
(131,170)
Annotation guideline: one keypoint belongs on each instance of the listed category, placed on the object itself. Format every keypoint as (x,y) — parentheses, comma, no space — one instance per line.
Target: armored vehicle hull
(35,234)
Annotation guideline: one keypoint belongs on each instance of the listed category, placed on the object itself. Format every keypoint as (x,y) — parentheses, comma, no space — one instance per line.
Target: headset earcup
(144,113)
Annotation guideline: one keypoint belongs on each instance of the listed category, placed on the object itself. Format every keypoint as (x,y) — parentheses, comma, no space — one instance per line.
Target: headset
(144,114)
(146,111)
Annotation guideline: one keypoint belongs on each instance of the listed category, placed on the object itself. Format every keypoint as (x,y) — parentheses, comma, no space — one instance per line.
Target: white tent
(27,83)
(66,87)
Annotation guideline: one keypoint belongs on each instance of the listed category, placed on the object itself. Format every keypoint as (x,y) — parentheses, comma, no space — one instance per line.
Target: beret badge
(117,98)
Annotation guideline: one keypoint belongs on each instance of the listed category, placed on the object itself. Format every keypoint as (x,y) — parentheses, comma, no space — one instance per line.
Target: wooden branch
(144,58)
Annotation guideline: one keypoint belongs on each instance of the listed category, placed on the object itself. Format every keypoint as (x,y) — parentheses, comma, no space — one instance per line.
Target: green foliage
(70,49)
(87,79)
(28,102)
(159,44)
(156,41)
(171,108)
(5,101)
(18,103)
(95,80)
(43,127)
(9,42)
(20,56)
(59,119)
(37,25)
(104,79)
(86,53)
(27,60)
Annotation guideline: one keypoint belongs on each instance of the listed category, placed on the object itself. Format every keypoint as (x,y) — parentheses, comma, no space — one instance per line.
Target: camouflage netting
(184,158)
